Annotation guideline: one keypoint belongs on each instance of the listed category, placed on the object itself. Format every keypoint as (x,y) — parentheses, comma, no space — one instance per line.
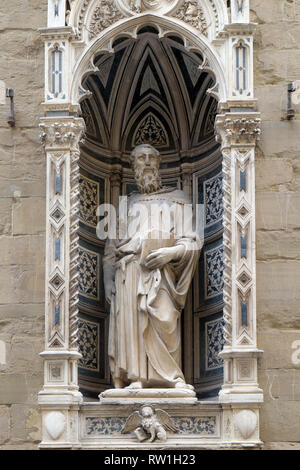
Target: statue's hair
(138,149)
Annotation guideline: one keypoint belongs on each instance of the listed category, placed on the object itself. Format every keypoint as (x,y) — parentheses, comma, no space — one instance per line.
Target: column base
(240,395)
(60,411)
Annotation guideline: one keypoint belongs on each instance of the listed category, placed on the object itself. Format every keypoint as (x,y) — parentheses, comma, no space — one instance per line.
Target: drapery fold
(145,334)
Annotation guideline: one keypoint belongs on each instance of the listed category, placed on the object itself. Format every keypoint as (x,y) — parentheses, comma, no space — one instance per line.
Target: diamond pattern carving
(57,215)
(244,279)
(243,211)
(56,282)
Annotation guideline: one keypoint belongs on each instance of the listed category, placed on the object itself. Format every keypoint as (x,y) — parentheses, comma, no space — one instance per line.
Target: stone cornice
(62,32)
(239,29)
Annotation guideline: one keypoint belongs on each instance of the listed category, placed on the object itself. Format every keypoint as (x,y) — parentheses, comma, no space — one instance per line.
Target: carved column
(238,133)
(61,138)
(115,182)
(187,181)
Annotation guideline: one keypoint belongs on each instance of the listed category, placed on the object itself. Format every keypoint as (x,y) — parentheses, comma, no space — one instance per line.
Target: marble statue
(147,276)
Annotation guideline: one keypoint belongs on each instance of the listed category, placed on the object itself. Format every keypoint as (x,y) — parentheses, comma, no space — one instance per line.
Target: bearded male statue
(147,276)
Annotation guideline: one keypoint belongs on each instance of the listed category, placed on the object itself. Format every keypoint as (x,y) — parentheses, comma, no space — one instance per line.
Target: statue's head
(146,411)
(145,161)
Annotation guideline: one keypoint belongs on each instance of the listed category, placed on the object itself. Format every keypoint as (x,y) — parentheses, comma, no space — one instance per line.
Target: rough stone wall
(277,62)
(22,224)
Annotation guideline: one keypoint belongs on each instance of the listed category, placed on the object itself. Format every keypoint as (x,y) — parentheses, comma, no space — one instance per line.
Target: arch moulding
(76,31)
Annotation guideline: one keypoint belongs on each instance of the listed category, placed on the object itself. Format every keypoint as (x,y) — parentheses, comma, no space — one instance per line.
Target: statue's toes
(184,386)
(190,387)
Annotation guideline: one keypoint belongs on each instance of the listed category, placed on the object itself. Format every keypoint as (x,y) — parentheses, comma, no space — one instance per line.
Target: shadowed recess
(150,90)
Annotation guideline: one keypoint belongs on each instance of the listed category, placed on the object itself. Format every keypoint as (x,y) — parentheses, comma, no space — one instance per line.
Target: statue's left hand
(159,258)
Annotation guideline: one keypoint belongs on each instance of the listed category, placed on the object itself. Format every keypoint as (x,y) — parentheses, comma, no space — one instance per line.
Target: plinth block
(148,395)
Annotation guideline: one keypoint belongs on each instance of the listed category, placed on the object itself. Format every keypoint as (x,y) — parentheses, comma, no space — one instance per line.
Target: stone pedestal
(200,425)
(148,395)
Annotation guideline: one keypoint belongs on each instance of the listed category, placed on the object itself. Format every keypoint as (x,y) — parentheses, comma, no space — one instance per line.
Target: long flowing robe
(144,332)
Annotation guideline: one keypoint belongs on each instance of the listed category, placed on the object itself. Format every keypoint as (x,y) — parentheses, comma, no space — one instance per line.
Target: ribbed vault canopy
(150,90)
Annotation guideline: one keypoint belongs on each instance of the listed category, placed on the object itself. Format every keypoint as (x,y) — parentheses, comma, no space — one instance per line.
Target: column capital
(242,129)
(116,178)
(61,133)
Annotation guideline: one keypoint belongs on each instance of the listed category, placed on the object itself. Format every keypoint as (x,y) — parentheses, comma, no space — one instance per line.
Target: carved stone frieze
(105,14)
(108,12)
(191,12)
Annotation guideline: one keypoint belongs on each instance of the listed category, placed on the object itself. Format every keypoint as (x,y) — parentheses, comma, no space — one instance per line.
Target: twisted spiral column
(74,249)
(227,247)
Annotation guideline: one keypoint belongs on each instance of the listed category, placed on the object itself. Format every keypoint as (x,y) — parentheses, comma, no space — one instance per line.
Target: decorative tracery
(151,132)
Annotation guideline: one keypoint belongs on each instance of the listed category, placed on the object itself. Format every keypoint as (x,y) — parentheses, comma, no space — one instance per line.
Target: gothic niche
(151,90)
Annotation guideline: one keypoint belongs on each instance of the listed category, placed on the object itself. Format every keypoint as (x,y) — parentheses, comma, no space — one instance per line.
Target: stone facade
(278,202)
(22,226)
(22,222)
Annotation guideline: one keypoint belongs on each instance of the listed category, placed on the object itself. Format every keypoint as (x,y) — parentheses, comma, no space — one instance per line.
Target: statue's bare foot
(181,384)
(135,385)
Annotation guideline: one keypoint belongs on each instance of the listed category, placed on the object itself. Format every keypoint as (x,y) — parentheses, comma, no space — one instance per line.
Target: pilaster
(61,138)
(238,134)
(240,11)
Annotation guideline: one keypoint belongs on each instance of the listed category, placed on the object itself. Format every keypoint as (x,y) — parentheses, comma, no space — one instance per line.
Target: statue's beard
(148,182)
